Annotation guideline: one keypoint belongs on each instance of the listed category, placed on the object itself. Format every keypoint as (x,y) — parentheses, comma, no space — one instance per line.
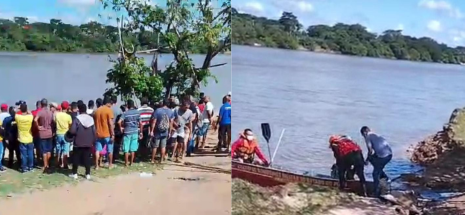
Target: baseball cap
(229,93)
(20,102)
(53,104)
(4,106)
(58,107)
(65,105)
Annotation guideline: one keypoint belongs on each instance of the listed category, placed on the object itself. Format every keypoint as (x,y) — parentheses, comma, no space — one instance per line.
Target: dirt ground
(174,190)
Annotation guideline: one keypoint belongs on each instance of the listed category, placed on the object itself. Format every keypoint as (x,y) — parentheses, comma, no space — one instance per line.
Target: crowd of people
(54,135)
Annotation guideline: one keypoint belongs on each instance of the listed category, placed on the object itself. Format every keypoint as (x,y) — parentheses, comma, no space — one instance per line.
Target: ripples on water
(316,95)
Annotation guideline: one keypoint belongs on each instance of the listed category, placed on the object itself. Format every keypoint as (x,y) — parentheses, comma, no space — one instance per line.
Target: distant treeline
(21,35)
(288,33)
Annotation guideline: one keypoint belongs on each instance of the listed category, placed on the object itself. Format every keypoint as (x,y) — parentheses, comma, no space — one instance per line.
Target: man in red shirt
(35,135)
(348,154)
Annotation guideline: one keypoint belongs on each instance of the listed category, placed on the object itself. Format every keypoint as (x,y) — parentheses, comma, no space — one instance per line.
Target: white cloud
(252,7)
(293,5)
(304,6)
(442,7)
(79,3)
(434,25)
(400,27)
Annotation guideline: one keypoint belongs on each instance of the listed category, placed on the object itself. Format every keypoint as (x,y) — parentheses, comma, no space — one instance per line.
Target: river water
(315,95)
(59,77)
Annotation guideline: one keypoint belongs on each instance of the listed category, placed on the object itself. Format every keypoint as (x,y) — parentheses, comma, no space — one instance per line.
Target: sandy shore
(174,190)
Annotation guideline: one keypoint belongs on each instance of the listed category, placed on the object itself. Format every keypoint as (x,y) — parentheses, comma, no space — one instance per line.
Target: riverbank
(442,156)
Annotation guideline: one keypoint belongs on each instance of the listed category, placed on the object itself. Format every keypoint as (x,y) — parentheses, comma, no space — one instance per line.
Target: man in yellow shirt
(26,146)
(63,123)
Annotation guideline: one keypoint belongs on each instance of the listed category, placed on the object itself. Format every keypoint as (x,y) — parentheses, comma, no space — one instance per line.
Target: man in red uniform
(348,154)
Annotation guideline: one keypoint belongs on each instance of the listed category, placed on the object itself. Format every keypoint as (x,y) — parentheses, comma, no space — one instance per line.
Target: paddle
(266,132)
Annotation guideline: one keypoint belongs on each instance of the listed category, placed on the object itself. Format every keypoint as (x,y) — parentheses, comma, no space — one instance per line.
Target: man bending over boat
(246,147)
(348,154)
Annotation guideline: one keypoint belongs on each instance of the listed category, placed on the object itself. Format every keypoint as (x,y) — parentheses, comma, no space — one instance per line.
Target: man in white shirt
(207,116)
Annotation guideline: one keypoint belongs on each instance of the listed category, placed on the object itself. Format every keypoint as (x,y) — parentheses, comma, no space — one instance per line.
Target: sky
(442,20)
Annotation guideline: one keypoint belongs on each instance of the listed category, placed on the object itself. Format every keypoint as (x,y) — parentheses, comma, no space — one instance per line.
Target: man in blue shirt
(224,121)
(131,128)
(162,123)
(379,155)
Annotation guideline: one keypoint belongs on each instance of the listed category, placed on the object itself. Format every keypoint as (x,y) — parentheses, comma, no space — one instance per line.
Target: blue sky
(443,20)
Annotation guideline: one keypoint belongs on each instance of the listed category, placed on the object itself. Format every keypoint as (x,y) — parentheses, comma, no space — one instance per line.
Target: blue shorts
(204,129)
(102,142)
(62,147)
(46,145)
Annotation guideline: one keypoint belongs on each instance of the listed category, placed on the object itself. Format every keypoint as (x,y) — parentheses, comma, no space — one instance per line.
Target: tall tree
(180,24)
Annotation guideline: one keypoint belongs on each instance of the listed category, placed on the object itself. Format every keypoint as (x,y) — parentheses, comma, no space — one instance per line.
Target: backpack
(164,124)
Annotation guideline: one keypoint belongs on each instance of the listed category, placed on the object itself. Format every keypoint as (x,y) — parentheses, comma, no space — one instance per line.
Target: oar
(279,142)
(266,132)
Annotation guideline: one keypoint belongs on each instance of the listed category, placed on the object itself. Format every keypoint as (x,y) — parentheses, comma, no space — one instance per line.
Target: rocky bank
(443,155)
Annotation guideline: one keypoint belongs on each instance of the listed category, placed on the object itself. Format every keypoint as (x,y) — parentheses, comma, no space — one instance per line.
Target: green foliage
(133,78)
(341,38)
(56,36)
(183,26)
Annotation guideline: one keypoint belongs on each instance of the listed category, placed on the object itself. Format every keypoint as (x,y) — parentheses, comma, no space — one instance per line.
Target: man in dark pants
(379,155)
(11,134)
(348,154)
(224,122)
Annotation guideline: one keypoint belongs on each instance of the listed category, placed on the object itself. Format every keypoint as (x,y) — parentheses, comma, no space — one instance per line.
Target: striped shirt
(145,115)
(131,120)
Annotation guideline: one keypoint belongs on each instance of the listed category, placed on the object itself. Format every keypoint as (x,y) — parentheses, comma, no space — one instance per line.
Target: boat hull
(268,177)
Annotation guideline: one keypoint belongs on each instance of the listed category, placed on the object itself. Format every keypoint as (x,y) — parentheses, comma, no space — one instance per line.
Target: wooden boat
(267,177)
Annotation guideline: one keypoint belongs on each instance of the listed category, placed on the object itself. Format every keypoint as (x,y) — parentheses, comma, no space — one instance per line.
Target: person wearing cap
(4,113)
(63,123)
(10,132)
(347,154)
(44,122)
(26,147)
(64,106)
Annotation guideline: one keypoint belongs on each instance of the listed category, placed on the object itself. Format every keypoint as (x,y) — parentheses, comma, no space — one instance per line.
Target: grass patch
(13,182)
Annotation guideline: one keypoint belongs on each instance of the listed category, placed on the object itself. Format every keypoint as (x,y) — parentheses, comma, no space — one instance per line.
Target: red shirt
(201,107)
(345,146)
(35,130)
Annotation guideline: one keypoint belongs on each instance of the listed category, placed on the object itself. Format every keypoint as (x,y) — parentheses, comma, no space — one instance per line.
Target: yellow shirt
(63,121)
(24,123)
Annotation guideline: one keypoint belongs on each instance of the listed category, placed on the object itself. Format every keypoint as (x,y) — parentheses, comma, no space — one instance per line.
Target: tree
(290,22)
(181,24)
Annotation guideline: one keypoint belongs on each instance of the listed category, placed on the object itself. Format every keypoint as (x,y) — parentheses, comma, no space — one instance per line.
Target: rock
(442,154)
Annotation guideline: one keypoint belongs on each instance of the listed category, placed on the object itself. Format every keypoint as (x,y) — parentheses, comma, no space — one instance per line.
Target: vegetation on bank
(55,36)
(288,33)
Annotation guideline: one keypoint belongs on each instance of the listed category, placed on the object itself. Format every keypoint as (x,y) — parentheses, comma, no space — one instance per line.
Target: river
(59,77)
(314,95)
